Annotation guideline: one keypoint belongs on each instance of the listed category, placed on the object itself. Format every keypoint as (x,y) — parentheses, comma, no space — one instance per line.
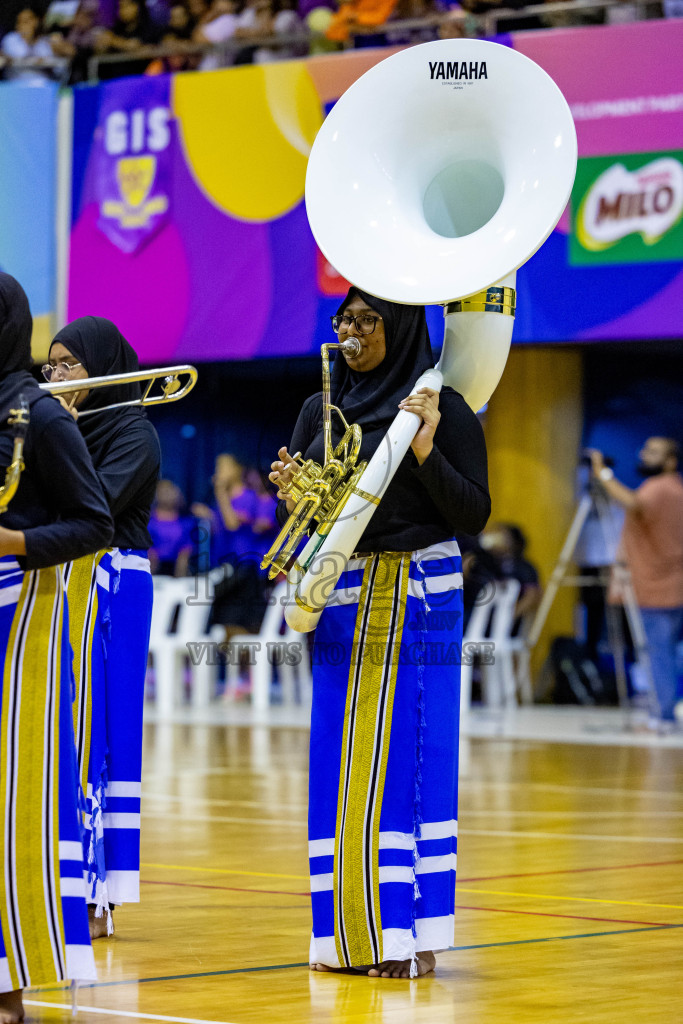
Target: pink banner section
(623,82)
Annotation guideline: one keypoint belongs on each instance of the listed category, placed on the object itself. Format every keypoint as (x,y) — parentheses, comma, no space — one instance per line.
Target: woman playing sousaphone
(385,716)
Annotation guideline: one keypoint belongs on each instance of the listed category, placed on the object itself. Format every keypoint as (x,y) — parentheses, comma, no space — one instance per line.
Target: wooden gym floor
(569,897)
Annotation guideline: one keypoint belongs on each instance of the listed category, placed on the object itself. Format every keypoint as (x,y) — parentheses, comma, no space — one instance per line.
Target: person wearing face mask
(651,546)
(506,544)
(385,715)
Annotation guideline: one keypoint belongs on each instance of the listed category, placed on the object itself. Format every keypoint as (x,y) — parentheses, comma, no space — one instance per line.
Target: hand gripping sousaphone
(434,177)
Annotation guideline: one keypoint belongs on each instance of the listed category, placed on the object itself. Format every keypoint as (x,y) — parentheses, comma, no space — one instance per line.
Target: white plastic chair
(517,657)
(261,647)
(180,615)
(499,678)
(491,622)
(474,634)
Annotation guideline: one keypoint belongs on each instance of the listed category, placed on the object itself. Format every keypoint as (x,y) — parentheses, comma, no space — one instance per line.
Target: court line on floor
(575,871)
(571,917)
(283,967)
(130,1014)
(225,888)
(562,938)
(523,834)
(571,899)
(223,871)
(500,910)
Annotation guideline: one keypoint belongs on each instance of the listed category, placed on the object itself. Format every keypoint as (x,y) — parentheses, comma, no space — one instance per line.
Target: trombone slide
(171,390)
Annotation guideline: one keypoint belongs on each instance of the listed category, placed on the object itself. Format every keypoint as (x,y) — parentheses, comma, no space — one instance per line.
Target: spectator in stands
(263,19)
(240,598)
(171,532)
(359,17)
(564,19)
(457,24)
(506,543)
(79,42)
(27,44)
(652,547)
(216,26)
(60,15)
(198,11)
(415,10)
(131,33)
(175,38)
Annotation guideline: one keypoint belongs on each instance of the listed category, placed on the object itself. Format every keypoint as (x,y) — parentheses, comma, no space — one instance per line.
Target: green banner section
(627,209)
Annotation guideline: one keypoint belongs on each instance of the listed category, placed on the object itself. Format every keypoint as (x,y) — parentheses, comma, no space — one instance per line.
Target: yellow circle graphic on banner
(247,133)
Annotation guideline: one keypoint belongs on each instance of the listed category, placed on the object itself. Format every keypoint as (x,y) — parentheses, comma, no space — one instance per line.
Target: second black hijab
(98,344)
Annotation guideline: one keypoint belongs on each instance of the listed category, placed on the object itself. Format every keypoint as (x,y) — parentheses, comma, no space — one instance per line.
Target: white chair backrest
(275,612)
(507,592)
(196,596)
(478,621)
(164,605)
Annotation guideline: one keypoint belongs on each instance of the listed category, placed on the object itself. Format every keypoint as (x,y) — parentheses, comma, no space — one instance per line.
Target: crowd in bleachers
(72,40)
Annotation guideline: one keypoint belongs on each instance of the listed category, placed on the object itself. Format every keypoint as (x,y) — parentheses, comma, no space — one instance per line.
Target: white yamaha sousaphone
(434,177)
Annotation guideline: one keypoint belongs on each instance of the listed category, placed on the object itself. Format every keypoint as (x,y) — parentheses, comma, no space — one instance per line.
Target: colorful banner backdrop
(28,138)
(628,210)
(190,231)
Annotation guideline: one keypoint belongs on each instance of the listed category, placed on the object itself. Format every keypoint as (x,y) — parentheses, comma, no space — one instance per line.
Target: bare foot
(426,962)
(11,1007)
(98,925)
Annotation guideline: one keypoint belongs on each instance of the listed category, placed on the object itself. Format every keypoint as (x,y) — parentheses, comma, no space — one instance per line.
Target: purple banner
(132,162)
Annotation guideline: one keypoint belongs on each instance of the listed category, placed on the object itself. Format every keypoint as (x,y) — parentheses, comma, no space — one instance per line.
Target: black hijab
(99,345)
(16,325)
(371,399)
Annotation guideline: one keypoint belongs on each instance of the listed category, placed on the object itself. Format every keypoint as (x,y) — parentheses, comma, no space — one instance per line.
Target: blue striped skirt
(110,597)
(44,934)
(384,759)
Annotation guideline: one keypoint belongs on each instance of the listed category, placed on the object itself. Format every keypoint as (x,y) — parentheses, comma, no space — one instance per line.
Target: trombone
(172,389)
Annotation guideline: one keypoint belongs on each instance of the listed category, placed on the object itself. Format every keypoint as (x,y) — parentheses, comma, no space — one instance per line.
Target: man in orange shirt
(652,547)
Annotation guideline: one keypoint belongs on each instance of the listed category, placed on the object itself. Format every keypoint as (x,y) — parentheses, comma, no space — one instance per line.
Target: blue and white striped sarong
(384,759)
(110,596)
(43,917)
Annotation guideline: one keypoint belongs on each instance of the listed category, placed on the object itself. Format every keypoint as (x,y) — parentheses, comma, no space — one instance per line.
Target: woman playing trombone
(111,597)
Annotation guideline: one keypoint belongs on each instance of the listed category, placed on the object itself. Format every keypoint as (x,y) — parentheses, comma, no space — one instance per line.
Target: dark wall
(631,393)
(248,409)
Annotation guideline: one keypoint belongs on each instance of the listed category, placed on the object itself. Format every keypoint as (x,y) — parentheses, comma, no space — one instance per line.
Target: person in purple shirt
(240,598)
(171,532)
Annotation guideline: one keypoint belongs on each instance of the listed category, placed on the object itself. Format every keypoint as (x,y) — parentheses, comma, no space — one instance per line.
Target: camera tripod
(595,500)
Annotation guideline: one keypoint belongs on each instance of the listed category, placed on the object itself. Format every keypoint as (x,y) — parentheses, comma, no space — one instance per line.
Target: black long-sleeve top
(424,504)
(128,469)
(59,504)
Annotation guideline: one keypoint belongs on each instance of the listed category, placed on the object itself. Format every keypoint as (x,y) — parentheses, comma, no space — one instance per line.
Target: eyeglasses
(62,369)
(365,323)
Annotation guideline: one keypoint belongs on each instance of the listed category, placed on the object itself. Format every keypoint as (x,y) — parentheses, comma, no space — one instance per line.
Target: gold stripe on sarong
(81,589)
(365,750)
(30,898)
